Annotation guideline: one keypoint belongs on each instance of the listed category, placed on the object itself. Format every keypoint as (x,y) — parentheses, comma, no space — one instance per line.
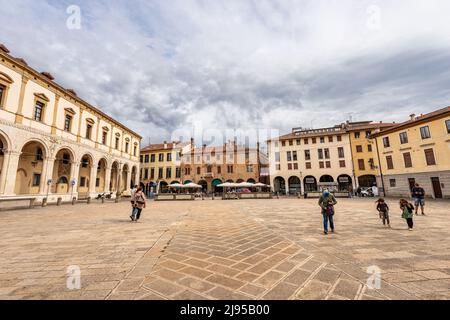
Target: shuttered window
(361,164)
(389,162)
(429,156)
(407,159)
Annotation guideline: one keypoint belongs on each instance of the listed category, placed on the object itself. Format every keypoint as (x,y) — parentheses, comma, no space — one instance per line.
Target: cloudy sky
(161,66)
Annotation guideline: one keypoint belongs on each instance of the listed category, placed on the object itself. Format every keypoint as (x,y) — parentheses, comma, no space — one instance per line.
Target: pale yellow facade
(417,151)
(53,142)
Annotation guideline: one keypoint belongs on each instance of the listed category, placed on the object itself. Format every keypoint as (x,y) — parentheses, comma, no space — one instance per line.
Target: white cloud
(162,65)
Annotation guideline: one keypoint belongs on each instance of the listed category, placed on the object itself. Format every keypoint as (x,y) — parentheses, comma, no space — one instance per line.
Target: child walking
(407,213)
(383,210)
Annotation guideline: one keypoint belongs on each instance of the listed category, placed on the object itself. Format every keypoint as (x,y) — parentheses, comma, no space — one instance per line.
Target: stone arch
(367,181)
(100,181)
(114,176)
(326,178)
(295,185)
(45,147)
(84,183)
(345,183)
(310,184)
(279,185)
(62,167)
(204,185)
(30,169)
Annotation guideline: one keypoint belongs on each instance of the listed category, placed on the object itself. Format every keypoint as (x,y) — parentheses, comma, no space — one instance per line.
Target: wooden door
(436,188)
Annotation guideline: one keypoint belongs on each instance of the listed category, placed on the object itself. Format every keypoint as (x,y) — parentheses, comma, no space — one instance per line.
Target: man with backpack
(327,201)
(418,194)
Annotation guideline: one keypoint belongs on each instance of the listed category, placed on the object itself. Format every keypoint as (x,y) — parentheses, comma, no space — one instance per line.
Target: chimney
(412,116)
(48,75)
(4,48)
(165,144)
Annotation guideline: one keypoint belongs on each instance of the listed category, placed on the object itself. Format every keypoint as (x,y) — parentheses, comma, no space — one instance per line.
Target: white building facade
(55,145)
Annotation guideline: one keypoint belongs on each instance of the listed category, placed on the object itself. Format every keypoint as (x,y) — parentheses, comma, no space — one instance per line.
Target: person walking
(418,194)
(327,201)
(383,210)
(138,203)
(133,208)
(407,213)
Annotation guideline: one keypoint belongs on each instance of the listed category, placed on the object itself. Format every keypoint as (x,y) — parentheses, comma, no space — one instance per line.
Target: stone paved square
(246,249)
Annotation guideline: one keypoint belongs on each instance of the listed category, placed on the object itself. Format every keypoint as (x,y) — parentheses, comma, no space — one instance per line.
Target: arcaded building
(54,143)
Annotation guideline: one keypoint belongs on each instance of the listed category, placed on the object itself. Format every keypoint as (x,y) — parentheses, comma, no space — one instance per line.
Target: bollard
(213,195)
(89,200)
(59,202)
(44,202)
(103,199)
(278,195)
(74,200)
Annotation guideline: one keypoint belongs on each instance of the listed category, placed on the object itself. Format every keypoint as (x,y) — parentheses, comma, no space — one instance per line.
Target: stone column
(119,178)
(107,179)
(302,184)
(75,174)
(47,173)
(128,183)
(9,172)
(93,180)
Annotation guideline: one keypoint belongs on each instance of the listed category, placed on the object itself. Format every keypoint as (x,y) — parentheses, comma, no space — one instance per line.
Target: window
(39,154)
(2,94)
(339,138)
(127,146)
(66,158)
(97,182)
(230,169)
(289,156)
(178,172)
(403,138)
(141,159)
(278,167)
(386,142)
(299,142)
(169,157)
(168,172)
(161,157)
(160,173)
(68,123)
(146,174)
(341,152)
(361,164)
(357,135)
(330,139)
(342,163)
(389,162)
(104,137)
(368,133)
(83,182)
(36,180)
(146,158)
(447,124)
(39,111)
(117,143)
(152,173)
(314,140)
(289,166)
(209,169)
(359,149)
(307,155)
(429,156)
(327,153)
(135,151)
(283,143)
(321,165)
(328,164)
(88,131)
(152,158)
(369,148)
(425,132)
(294,155)
(295,166)
(322,140)
(199,170)
(84,162)
(306,141)
(392,183)
(249,169)
(291,142)
(320,153)
(308,165)
(277,157)
(372,164)
(407,159)
(219,170)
